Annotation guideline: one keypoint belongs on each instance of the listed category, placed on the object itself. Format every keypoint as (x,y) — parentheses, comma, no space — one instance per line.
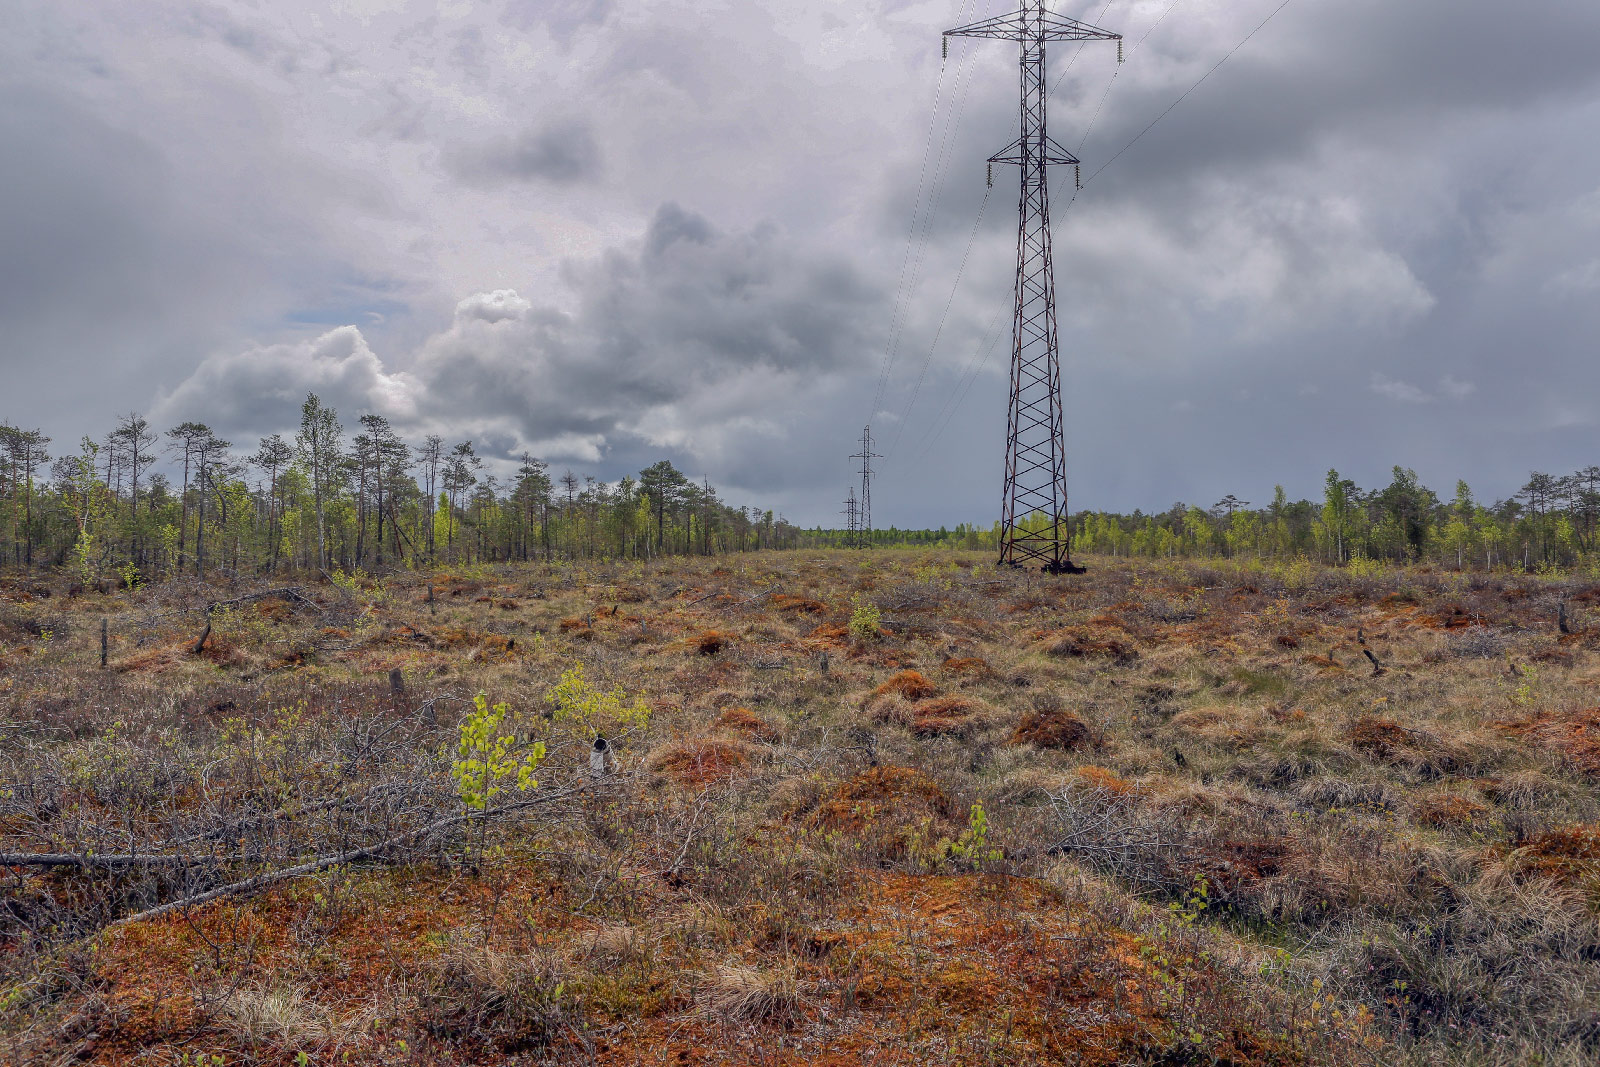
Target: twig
(261,881)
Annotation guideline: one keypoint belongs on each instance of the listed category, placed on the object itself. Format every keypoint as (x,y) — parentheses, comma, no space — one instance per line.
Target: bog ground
(885,808)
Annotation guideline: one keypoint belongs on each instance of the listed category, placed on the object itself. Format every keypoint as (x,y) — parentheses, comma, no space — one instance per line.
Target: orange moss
(830,634)
(972,666)
(748,725)
(928,718)
(574,625)
(1099,778)
(886,806)
(699,761)
(908,685)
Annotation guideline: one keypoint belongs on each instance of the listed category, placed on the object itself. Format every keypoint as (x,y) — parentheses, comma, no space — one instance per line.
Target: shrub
(864,619)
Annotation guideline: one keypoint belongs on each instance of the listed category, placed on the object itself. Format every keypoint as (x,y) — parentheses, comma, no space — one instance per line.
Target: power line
(916,242)
(969,377)
(1187,91)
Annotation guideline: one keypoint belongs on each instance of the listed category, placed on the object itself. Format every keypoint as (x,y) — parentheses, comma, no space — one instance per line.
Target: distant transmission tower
(864,505)
(852,519)
(1033,523)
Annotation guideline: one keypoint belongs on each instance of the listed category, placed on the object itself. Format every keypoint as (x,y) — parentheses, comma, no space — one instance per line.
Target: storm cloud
(606,233)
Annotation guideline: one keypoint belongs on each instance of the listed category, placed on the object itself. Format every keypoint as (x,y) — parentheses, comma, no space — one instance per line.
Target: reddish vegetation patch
(1099,778)
(711,642)
(1379,738)
(497,644)
(944,715)
(885,806)
(929,718)
(908,685)
(1080,641)
(577,627)
(1288,641)
(1449,617)
(1571,854)
(748,725)
(1052,728)
(699,761)
(830,634)
(1445,810)
(1327,663)
(971,666)
(798,605)
(1575,736)
(1234,864)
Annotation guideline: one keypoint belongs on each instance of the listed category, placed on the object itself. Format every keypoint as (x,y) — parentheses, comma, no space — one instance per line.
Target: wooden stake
(104,640)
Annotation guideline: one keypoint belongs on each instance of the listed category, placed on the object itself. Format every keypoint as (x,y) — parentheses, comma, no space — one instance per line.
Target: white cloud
(1395,389)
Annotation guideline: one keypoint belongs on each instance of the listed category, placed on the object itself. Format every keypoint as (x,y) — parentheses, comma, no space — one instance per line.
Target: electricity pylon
(864,505)
(852,519)
(1033,523)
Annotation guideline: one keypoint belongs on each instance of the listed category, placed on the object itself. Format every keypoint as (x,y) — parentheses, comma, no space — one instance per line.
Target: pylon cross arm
(1019,26)
(1053,154)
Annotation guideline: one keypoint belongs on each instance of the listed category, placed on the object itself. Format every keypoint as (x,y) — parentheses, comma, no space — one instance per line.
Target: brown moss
(1052,728)
(798,605)
(748,725)
(1080,642)
(1379,738)
(1570,854)
(1448,810)
(1576,736)
(574,625)
(711,642)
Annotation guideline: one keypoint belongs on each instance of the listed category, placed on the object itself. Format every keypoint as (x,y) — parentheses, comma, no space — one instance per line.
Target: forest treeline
(1550,522)
(336,497)
(332,497)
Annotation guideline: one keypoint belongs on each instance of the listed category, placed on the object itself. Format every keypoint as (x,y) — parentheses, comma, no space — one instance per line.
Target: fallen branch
(108,861)
(261,881)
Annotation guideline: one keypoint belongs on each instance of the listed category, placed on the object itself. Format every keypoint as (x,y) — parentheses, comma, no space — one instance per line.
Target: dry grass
(1398,868)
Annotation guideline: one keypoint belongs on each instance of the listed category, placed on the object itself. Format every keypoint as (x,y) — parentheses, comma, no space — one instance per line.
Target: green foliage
(486,763)
(1187,911)
(595,711)
(864,619)
(972,847)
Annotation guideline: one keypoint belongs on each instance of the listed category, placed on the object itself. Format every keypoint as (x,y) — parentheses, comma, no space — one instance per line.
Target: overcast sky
(608,232)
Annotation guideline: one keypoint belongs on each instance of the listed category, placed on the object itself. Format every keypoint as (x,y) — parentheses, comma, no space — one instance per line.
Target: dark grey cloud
(612,232)
(678,345)
(562,152)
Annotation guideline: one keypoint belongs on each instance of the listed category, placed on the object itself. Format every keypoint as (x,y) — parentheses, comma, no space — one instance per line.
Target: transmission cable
(910,262)
(961,269)
(1187,91)
(963,389)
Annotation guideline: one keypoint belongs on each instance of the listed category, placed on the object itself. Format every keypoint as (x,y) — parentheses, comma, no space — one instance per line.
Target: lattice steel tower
(1033,523)
(852,519)
(864,505)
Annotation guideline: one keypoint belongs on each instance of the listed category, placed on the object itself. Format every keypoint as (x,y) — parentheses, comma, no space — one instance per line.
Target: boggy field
(885,808)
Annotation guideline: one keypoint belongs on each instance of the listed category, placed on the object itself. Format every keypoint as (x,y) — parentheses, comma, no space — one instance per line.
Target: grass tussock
(1156,813)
